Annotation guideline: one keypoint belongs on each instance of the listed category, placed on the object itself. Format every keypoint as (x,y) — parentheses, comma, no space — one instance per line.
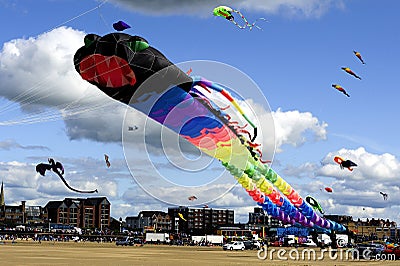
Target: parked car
(367,251)
(251,244)
(324,240)
(138,241)
(235,245)
(393,250)
(276,243)
(256,244)
(309,243)
(124,242)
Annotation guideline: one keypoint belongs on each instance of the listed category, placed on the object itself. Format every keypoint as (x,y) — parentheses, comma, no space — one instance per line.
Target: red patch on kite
(107,71)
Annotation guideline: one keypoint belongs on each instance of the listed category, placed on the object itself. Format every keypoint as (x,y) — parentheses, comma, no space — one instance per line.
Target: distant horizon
(194,207)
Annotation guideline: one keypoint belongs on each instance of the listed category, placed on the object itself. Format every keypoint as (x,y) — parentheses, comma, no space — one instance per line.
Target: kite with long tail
(226,12)
(58,168)
(129,70)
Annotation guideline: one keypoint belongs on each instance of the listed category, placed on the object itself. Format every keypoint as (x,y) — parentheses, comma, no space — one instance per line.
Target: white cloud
(291,128)
(40,70)
(9,144)
(379,168)
(203,8)
(305,170)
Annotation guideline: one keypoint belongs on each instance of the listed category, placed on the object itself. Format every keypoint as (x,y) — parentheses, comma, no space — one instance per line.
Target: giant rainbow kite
(129,70)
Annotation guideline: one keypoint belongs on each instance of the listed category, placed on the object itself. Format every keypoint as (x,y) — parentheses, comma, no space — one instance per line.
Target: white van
(324,240)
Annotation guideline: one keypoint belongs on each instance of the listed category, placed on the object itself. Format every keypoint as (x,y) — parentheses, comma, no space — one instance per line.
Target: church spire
(2,195)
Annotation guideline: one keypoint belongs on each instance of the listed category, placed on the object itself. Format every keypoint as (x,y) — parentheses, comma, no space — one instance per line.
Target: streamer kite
(58,169)
(129,70)
(226,12)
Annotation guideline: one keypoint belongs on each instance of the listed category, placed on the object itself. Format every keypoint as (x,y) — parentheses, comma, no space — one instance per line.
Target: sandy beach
(89,253)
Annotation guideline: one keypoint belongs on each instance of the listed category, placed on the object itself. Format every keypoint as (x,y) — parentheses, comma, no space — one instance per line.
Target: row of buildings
(373,228)
(96,213)
(181,219)
(207,221)
(76,212)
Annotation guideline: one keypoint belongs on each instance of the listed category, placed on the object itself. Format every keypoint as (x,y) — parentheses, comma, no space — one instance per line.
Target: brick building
(80,212)
(368,228)
(259,218)
(10,214)
(157,221)
(199,220)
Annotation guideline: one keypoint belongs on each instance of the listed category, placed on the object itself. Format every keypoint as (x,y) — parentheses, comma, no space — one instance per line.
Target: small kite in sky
(328,189)
(344,163)
(314,204)
(107,161)
(340,88)
(385,195)
(181,216)
(192,198)
(226,12)
(58,168)
(359,56)
(133,128)
(349,71)
(120,26)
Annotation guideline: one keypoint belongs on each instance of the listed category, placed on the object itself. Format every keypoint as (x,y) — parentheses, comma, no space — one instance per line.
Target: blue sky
(293,60)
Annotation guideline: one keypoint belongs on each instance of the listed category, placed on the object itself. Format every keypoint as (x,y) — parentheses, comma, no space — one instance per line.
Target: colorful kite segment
(129,70)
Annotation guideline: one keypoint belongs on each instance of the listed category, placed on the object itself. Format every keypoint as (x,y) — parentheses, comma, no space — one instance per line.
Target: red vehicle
(393,250)
(277,243)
